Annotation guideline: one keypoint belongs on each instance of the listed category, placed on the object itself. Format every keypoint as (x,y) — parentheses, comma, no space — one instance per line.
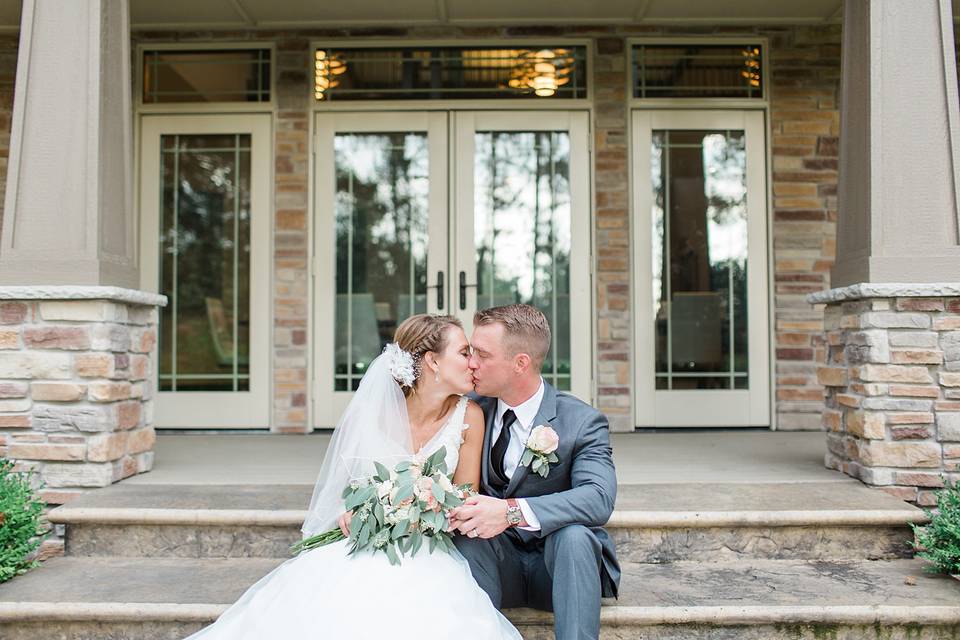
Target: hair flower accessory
(401,364)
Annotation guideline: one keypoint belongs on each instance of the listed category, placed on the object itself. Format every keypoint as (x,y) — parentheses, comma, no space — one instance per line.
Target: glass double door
(447,212)
(702,328)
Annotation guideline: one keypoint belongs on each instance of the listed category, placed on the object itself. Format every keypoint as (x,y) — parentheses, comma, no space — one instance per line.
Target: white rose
(445,483)
(543,439)
(384,489)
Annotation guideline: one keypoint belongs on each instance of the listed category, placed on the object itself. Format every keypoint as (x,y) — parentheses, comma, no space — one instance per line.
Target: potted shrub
(21,530)
(938,542)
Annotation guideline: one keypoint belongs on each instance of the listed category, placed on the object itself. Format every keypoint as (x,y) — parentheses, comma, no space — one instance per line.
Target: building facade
(664,185)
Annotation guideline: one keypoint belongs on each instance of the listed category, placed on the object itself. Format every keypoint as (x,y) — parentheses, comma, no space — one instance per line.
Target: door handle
(440,290)
(463,290)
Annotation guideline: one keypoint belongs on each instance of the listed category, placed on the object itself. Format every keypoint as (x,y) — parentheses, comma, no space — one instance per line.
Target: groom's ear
(522,362)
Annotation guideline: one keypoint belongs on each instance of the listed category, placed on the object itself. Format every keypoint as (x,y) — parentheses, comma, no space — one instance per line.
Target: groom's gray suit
(570,562)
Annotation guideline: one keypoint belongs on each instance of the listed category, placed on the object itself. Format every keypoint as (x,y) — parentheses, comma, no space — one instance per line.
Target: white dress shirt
(526,413)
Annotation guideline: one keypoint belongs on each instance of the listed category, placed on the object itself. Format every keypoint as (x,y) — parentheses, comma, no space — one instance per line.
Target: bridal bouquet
(396,511)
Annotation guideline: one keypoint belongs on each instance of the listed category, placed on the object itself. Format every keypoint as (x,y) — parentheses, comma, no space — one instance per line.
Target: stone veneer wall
(892,375)
(76,386)
(804,73)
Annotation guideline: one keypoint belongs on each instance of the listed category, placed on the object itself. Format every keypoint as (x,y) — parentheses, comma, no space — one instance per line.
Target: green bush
(939,541)
(21,531)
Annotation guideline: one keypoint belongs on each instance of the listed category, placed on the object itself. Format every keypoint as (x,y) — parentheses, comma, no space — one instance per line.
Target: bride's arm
(468,469)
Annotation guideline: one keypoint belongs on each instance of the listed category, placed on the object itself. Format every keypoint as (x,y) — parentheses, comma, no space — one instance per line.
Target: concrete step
(652,523)
(83,598)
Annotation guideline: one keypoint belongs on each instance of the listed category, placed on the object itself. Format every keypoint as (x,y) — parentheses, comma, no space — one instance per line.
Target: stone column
(892,322)
(77,339)
(68,213)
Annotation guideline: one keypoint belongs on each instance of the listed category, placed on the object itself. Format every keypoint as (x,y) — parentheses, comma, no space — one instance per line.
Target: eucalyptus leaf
(527,458)
(404,492)
(383,474)
(553,458)
(416,541)
(392,554)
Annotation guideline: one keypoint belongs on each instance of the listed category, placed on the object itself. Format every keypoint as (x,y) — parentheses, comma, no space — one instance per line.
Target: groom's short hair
(525,329)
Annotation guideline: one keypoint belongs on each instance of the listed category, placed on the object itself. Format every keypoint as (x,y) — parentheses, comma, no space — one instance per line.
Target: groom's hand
(481,517)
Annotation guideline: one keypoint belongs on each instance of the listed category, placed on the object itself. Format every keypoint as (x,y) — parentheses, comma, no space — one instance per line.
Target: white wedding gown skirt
(325,593)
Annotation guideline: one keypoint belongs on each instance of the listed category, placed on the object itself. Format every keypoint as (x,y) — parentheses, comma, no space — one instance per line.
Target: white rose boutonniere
(541,450)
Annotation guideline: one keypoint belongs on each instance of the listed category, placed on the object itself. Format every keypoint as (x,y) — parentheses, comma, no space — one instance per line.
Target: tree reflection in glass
(381,207)
(700,259)
(522,222)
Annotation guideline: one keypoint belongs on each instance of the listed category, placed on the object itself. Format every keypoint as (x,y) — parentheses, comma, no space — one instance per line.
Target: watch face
(514,516)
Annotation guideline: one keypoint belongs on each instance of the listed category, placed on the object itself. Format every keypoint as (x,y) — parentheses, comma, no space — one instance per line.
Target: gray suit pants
(559,573)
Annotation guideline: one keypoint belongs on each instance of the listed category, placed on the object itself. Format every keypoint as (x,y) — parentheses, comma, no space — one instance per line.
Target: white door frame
(706,407)
(329,404)
(215,409)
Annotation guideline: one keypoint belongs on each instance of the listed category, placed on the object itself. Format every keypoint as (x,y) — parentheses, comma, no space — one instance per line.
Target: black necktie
(499,450)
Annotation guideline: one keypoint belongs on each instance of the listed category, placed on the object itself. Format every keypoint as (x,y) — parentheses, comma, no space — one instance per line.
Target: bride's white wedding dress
(325,593)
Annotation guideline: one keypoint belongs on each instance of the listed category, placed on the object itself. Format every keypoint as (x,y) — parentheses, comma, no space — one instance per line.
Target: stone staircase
(701,561)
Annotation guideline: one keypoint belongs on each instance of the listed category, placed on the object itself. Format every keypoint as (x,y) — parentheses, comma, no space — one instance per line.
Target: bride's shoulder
(473,417)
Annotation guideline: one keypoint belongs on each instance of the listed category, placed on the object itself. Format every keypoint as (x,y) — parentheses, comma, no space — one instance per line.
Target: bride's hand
(344,523)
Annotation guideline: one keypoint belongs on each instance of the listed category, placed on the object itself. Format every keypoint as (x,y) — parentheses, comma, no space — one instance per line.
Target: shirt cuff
(533,524)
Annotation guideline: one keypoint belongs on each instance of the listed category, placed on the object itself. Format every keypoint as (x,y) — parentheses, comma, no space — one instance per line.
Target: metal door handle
(463,290)
(439,288)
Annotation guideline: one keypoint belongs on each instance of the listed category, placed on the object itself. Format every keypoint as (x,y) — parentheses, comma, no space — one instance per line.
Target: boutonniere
(541,450)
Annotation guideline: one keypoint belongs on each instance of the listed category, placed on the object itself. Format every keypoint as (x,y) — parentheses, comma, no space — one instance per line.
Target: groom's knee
(575,542)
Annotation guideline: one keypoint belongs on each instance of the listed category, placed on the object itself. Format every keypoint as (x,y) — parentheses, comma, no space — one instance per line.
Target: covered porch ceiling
(293,14)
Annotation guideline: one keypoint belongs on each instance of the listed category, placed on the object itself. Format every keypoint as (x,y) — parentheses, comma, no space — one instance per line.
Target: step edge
(619,520)
(613,615)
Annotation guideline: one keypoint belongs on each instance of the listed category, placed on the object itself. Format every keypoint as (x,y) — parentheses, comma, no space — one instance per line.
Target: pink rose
(424,486)
(543,439)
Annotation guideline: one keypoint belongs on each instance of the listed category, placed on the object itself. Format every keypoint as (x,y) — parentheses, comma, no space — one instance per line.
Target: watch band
(514,513)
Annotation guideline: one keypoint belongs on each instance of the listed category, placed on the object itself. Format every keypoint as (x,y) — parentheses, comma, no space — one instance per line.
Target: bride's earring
(436,377)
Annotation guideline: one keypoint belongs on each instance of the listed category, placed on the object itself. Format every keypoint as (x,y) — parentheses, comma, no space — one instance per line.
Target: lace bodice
(450,436)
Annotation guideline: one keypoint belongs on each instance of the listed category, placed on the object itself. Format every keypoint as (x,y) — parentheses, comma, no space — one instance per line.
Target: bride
(395,413)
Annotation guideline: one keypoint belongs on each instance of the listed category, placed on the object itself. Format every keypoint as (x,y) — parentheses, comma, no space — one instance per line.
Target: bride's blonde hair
(422,333)
(419,334)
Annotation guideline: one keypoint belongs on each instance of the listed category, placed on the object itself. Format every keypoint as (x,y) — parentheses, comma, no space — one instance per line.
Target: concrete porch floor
(743,456)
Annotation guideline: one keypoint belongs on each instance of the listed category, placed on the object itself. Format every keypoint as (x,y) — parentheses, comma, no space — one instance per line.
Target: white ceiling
(239,14)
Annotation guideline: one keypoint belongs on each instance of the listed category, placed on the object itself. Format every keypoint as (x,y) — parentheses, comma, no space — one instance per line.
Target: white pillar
(68,214)
(898,191)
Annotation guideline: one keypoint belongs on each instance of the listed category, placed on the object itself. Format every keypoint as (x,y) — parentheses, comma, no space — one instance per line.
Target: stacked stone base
(76,386)
(892,379)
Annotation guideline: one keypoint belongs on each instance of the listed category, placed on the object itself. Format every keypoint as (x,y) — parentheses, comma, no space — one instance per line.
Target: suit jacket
(579,489)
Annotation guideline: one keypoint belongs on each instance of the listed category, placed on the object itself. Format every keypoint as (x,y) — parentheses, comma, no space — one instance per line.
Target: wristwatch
(514,514)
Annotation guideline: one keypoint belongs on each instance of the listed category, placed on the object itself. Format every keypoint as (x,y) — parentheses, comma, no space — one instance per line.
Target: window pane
(239,75)
(697,71)
(434,73)
(382,183)
(205,263)
(522,231)
(700,258)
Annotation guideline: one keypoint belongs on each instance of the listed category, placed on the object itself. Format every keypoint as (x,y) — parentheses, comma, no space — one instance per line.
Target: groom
(534,541)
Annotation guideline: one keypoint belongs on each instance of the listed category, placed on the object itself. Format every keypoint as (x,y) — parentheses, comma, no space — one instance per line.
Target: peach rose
(543,439)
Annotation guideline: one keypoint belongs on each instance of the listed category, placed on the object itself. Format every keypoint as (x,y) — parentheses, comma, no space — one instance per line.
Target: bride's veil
(374,426)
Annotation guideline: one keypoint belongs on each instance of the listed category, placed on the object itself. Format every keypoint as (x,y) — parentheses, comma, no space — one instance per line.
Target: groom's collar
(526,411)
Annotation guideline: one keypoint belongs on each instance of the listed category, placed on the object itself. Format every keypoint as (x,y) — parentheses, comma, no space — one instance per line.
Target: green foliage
(939,541)
(21,531)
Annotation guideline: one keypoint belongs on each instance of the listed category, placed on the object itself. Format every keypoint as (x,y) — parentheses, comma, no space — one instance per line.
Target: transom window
(444,73)
(692,70)
(207,75)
